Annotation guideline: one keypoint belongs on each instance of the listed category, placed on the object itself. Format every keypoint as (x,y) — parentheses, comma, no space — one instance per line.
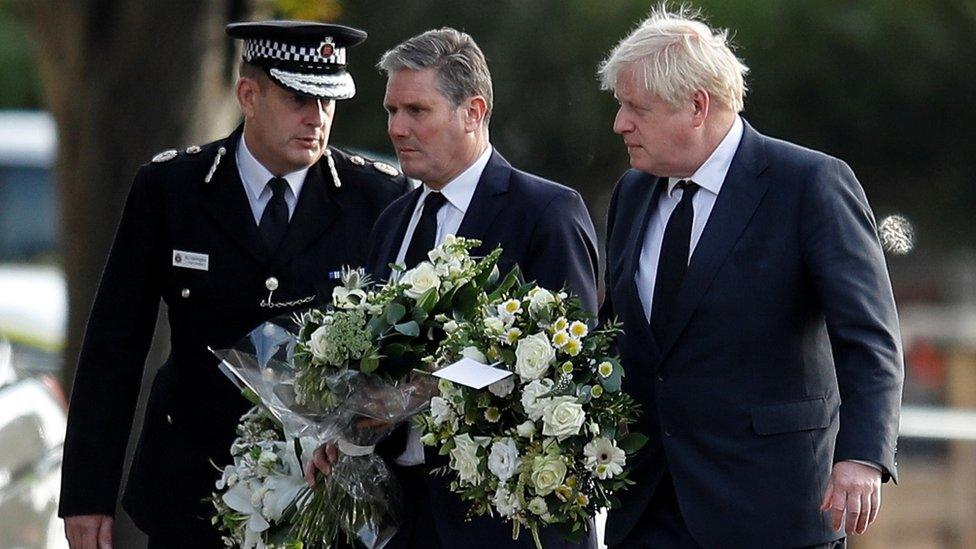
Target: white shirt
(710,176)
(458,192)
(256,177)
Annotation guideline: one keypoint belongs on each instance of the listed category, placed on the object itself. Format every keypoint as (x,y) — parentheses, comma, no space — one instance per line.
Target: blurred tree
(19,87)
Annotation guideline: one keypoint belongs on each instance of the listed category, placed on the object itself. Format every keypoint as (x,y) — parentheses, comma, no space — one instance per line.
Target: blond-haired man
(755,299)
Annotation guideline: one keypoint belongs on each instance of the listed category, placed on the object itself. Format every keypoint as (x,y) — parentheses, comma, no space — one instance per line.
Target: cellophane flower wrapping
(346,375)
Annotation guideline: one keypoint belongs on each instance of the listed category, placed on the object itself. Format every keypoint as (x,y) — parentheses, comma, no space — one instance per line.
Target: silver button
(185,292)
(169,419)
(271,283)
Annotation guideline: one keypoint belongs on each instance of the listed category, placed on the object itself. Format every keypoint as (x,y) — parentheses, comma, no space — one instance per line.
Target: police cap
(301,56)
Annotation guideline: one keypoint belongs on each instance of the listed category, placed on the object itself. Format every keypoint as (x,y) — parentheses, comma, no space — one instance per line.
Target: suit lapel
(391,242)
(227,205)
(317,209)
(652,186)
(488,200)
(734,207)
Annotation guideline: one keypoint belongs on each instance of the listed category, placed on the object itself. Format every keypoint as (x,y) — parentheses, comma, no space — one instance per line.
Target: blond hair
(678,54)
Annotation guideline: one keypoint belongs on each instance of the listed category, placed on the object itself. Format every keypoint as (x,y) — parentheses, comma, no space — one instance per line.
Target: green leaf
(394,312)
(428,301)
(411,328)
(369,364)
(510,280)
(377,325)
(465,301)
(632,442)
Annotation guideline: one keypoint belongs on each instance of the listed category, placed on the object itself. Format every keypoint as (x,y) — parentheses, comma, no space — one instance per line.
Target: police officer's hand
(89,531)
(323,458)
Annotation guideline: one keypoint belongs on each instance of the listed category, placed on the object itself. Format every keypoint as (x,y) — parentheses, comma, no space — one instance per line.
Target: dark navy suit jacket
(783,357)
(543,227)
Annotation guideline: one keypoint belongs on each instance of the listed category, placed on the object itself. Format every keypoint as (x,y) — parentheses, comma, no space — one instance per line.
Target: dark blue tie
(673,261)
(425,233)
(274,220)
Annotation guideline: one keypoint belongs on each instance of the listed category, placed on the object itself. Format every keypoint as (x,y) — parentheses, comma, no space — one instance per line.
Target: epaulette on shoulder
(368,164)
(170,154)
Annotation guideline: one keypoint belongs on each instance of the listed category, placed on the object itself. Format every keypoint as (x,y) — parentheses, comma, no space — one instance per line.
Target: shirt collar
(460,190)
(255,176)
(711,174)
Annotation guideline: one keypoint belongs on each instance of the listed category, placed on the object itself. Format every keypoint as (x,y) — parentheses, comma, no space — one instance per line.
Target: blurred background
(91,89)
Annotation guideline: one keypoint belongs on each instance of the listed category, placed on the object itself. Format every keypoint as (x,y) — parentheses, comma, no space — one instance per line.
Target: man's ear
(701,101)
(247,91)
(475,110)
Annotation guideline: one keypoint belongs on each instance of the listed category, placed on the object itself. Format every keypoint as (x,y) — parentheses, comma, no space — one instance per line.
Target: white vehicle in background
(32,320)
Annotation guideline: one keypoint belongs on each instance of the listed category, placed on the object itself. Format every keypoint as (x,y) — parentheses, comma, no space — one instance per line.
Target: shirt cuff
(868,463)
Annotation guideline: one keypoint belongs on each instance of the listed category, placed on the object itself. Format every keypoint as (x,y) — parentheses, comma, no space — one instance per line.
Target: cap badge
(327,48)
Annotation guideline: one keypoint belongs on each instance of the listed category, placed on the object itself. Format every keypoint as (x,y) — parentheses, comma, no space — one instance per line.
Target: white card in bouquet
(471,373)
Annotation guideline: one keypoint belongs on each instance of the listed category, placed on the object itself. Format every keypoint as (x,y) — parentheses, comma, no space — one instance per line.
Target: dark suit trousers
(417,528)
(662,527)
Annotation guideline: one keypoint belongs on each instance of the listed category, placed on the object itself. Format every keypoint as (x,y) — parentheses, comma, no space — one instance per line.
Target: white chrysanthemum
(578,330)
(604,458)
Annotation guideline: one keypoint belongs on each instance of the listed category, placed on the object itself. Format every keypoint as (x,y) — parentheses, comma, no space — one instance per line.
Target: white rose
(441,412)
(540,300)
(506,502)
(533,405)
(526,429)
(450,326)
(548,472)
(503,388)
(533,355)
(420,279)
(474,354)
(317,343)
(504,460)
(563,417)
(464,459)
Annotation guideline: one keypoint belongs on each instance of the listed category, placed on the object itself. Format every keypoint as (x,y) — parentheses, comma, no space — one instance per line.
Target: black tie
(425,233)
(274,220)
(673,262)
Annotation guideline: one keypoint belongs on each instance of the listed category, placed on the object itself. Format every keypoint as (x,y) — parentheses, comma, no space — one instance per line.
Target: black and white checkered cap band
(270,49)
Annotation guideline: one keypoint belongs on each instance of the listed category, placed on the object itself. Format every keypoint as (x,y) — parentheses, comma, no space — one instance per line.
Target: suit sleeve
(112,358)
(847,266)
(562,249)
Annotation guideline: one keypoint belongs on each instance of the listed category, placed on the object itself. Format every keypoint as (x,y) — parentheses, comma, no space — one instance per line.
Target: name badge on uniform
(191,260)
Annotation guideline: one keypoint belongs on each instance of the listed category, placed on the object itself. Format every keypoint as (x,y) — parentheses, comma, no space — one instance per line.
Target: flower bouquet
(346,375)
(549,444)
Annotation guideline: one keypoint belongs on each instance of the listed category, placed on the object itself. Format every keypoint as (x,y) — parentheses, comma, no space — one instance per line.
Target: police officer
(228,234)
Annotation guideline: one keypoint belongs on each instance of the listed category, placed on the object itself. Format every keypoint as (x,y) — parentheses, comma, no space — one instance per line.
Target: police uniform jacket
(192,209)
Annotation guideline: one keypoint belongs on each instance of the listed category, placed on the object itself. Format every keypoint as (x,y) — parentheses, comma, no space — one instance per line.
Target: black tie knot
(278,186)
(688,189)
(433,203)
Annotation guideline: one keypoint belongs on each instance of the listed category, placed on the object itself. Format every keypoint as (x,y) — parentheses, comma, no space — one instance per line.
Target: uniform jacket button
(185,292)
(271,283)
